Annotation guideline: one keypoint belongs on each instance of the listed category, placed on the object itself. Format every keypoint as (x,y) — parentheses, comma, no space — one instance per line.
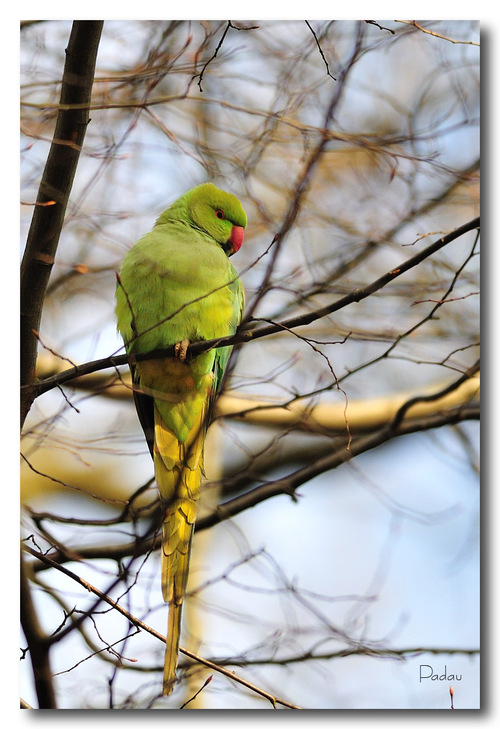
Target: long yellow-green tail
(177,533)
(178,468)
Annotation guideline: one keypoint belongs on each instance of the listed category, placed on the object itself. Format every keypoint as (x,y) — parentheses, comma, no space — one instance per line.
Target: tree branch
(144,626)
(304,179)
(252,333)
(54,191)
(38,645)
(288,485)
(363,416)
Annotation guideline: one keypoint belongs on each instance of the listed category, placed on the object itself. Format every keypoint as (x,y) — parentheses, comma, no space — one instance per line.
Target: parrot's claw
(181,349)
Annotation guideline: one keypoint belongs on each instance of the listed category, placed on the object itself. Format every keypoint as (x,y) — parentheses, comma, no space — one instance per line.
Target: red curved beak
(236,237)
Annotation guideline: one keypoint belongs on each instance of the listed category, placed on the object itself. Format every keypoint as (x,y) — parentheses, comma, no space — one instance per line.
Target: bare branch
(288,485)
(144,626)
(320,50)
(248,333)
(37,644)
(55,188)
(219,46)
(436,35)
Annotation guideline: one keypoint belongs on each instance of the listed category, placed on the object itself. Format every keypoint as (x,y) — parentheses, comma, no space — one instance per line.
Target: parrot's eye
(220,214)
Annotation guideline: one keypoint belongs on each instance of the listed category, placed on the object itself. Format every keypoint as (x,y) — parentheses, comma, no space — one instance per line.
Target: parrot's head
(219,214)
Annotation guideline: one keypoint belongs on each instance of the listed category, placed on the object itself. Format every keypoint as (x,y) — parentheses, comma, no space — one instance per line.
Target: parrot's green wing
(223,354)
(176,286)
(145,403)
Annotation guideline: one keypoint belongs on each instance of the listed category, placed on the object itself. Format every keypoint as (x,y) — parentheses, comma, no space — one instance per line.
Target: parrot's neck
(177,212)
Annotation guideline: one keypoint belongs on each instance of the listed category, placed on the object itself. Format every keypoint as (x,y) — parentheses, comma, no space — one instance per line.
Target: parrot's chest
(192,298)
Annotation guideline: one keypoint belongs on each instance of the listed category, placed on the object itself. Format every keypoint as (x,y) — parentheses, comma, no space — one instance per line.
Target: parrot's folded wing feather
(144,404)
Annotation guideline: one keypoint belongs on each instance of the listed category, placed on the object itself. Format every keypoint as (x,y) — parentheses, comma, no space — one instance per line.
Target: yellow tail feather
(178,476)
(172,647)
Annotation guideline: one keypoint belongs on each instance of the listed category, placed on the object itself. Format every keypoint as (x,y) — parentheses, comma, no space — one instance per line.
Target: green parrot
(177,286)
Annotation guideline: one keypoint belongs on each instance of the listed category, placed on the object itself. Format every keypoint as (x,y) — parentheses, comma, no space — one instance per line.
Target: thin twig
(288,485)
(198,692)
(249,333)
(144,626)
(219,46)
(320,50)
(436,35)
